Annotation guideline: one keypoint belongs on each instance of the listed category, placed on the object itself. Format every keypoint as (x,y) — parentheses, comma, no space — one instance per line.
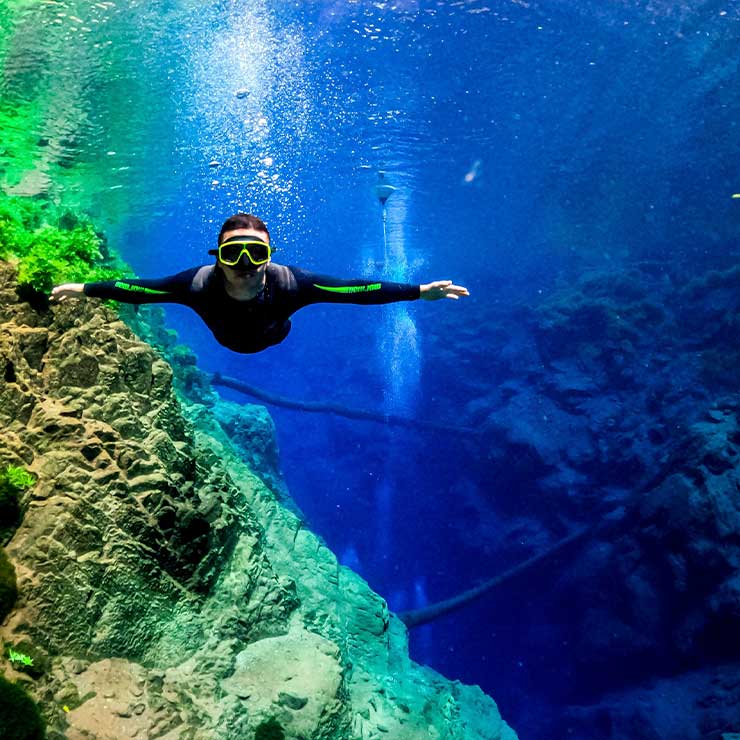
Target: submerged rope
(417,617)
(330,408)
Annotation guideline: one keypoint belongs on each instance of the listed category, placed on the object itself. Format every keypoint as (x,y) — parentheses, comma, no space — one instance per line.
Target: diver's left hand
(442,289)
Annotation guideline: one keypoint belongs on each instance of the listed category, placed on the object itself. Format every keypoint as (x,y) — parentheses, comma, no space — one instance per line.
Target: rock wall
(616,392)
(164,590)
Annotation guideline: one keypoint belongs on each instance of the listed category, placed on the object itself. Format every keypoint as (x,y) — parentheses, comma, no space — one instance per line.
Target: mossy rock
(13,481)
(40,662)
(8,585)
(20,718)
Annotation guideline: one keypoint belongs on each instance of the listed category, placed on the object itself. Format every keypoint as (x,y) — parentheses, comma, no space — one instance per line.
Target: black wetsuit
(253,325)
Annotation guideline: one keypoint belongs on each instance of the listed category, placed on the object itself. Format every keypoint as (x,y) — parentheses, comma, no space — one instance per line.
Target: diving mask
(230,252)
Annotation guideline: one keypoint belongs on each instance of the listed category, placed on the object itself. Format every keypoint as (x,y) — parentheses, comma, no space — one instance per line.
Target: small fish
(736,196)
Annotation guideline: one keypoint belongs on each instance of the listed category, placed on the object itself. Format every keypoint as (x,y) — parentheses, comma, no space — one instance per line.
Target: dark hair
(242,221)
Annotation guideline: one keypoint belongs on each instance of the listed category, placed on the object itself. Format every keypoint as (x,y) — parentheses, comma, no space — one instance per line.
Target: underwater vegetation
(50,246)
(13,481)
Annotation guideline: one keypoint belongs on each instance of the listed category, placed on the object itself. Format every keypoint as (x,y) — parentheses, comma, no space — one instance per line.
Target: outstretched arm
(323,289)
(172,289)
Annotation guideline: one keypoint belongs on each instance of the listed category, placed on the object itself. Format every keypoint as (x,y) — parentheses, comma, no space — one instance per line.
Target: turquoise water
(534,147)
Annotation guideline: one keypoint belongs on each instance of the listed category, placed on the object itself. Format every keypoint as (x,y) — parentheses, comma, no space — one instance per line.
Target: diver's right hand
(60,293)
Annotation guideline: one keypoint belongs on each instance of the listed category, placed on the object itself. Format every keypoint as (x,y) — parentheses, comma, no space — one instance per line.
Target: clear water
(528,143)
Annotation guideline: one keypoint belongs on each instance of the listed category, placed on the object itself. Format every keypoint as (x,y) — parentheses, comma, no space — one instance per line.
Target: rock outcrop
(618,393)
(164,590)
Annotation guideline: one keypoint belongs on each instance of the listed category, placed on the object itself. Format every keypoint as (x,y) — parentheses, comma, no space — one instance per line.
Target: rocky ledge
(163,589)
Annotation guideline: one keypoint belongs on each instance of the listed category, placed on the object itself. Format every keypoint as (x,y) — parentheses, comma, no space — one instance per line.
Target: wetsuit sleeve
(172,289)
(314,288)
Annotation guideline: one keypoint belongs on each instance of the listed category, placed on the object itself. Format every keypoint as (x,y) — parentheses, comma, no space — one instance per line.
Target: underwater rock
(173,592)
(621,387)
(694,706)
(662,592)
(269,671)
(252,429)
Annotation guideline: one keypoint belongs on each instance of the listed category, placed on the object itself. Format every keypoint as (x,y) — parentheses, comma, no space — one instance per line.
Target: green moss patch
(13,481)
(51,246)
(27,658)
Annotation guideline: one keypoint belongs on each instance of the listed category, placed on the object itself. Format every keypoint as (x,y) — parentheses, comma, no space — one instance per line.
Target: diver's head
(243,221)
(243,249)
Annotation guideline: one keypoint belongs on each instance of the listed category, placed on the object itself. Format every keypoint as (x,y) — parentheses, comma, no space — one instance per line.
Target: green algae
(28,658)
(18,479)
(13,481)
(21,658)
(52,246)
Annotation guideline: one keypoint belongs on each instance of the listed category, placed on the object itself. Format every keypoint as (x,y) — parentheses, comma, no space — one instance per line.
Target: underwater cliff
(615,416)
(163,589)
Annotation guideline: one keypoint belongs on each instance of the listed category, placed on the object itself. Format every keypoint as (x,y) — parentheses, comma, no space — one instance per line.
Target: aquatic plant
(18,478)
(13,481)
(28,658)
(56,256)
(20,718)
(19,657)
(52,247)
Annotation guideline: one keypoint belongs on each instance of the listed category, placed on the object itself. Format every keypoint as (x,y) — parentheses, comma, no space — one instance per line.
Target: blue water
(529,142)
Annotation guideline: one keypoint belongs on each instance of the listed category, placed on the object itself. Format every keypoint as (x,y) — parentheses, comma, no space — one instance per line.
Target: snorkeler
(247,300)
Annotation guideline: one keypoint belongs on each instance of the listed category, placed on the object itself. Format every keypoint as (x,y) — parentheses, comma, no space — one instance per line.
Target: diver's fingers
(60,293)
(442,289)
